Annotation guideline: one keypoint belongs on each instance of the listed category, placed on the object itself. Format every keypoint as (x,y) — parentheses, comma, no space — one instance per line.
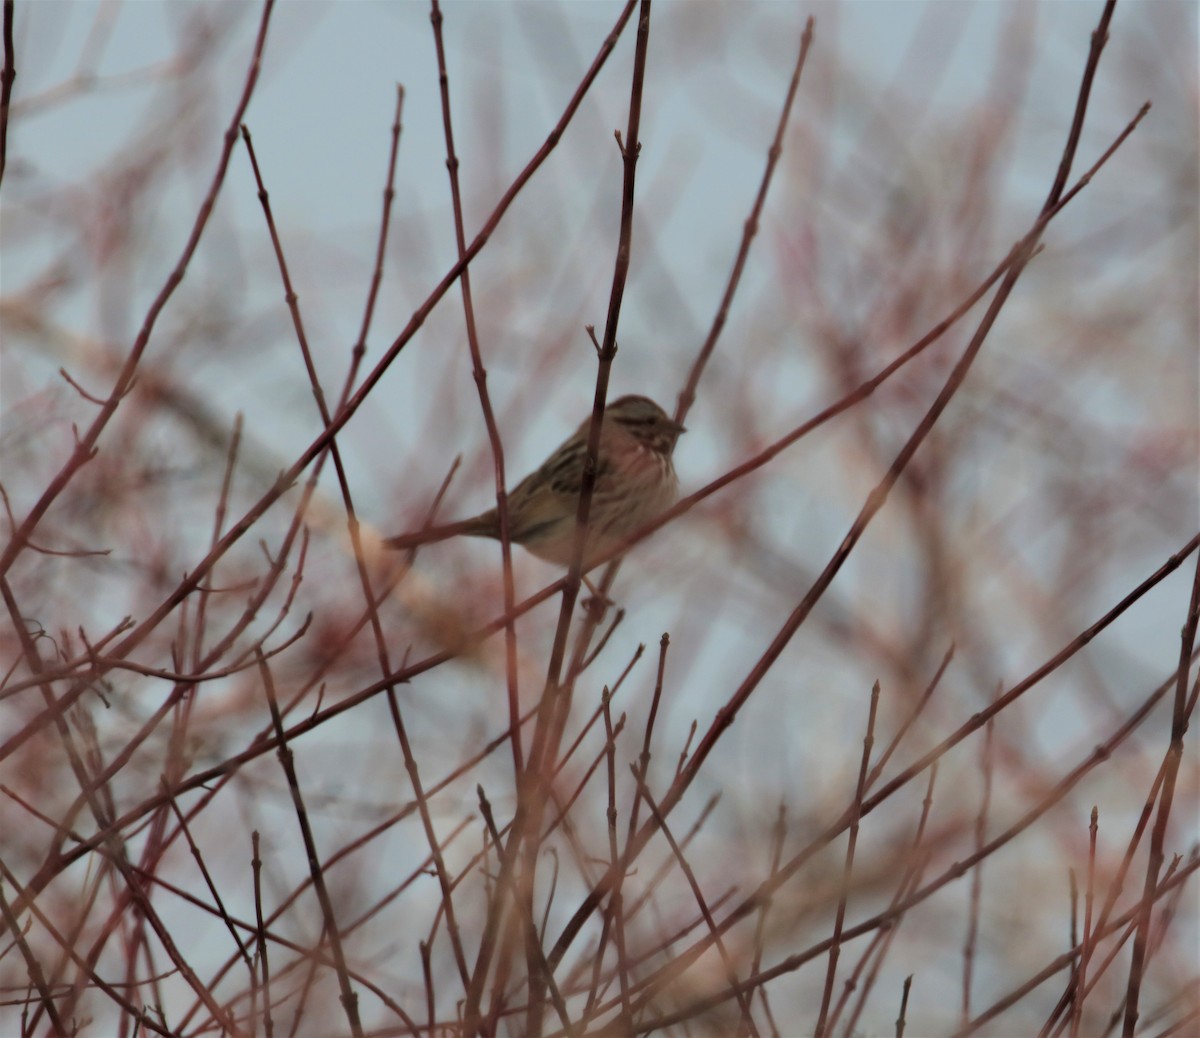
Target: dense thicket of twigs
(883,729)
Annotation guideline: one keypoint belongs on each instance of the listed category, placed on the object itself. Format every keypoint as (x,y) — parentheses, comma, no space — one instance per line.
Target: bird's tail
(475,527)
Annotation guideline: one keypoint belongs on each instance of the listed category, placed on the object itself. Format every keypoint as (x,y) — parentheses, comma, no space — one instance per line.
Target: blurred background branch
(1024,814)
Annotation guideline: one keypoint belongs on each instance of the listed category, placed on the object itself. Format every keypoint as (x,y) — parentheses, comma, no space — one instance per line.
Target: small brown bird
(635,481)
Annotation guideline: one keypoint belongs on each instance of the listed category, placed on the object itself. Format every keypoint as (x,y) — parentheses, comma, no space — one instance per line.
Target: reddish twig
(614,917)
(986,766)
(881,942)
(901,1018)
(688,395)
(385,220)
(1170,769)
(542,752)
(348,997)
(261,935)
(741,993)
(682,962)
(479,372)
(71,948)
(1125,925)
(1086,945)
(86,445)
(839,920)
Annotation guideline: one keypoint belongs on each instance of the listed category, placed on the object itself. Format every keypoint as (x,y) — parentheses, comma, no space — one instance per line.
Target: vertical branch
(525,921)
(527,823)
(1179,725)
(235,441)
(479,373)
(630,148)
(543,750)
(427,978)
(1086,944)
(349,998)
(644,756)
(910,720)
(1099,39)
(900,1020)
(969,942)
(616,901)
(848,869)
(260,934)
(7,76)
(779,832)
(881,943)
